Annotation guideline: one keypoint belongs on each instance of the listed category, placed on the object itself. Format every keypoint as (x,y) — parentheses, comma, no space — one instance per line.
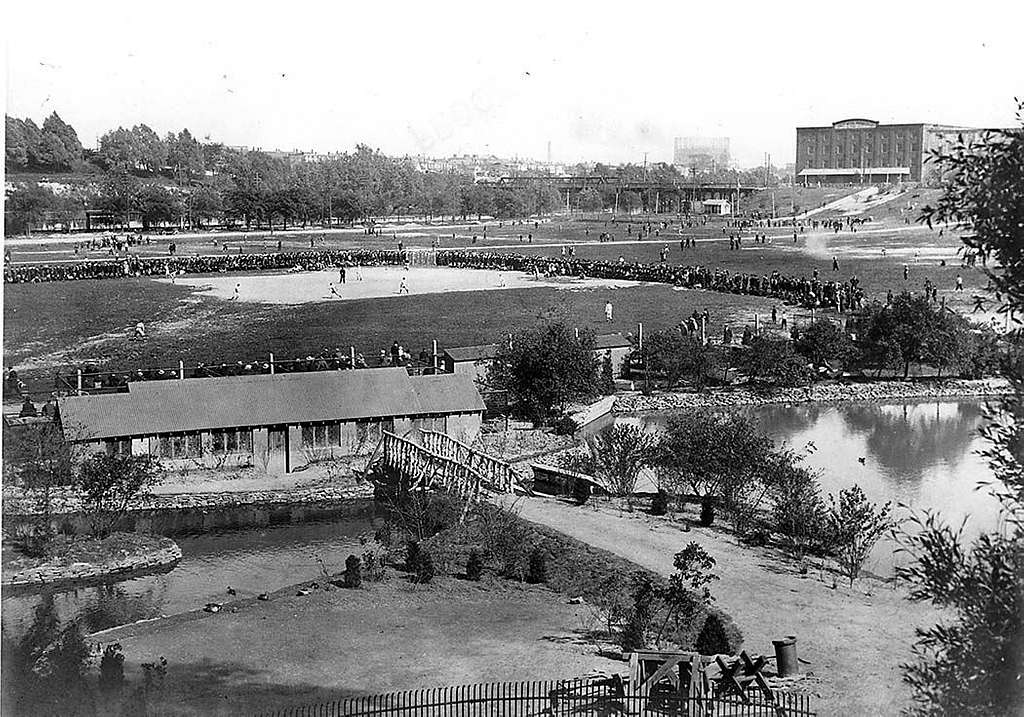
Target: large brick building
(855,151)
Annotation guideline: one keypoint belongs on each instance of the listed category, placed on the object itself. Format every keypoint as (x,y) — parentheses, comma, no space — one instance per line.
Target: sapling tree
(854,526)
(109,483)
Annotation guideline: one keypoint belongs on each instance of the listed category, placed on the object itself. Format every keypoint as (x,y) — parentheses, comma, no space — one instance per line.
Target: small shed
(716,206)
(472,361)
(615,345)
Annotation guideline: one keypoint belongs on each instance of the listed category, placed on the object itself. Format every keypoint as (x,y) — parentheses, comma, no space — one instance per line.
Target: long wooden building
(277,423)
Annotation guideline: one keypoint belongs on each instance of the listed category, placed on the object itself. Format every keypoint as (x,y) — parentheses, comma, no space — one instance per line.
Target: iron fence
(554,699)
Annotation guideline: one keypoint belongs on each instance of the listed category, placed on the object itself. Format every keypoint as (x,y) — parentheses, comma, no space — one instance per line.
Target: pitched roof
(152,407)
(447,393)
(472,353)
(611,341)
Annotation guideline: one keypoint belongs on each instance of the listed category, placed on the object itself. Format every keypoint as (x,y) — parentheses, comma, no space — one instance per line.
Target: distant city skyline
(444,79)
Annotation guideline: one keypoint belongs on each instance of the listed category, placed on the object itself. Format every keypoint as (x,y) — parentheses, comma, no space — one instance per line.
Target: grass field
(55,325)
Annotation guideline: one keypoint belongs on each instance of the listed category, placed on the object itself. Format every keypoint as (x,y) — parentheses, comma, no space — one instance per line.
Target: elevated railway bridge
(656,195)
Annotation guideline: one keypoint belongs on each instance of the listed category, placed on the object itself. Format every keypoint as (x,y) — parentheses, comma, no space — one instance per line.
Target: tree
(61,148)
(545,368)
(912,330)
(158,205)
(31,204)
(854,525)
(607,375)
(823,342)
(972,663)
(184,155)
(616,456)
(676,357)
(775,361)
(590,200)
(110,482)
(43,461)
(714,455)
(798,510)
(119,194)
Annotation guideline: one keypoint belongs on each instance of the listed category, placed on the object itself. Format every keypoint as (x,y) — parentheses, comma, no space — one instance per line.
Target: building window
(232,440)
(321,435)
(180,445)
(119,446)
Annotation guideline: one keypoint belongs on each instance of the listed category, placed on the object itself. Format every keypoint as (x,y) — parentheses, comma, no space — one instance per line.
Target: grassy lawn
(89,320)
(384,637)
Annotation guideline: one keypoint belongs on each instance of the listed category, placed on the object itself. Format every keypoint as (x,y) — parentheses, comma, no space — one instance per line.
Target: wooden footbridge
(436,461)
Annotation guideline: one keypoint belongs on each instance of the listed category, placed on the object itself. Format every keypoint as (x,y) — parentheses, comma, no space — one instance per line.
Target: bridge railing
(496,474)
(421,464)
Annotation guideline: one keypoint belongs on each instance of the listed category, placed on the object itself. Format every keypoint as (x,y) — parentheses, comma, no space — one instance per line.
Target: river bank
(830,392)
(80,559)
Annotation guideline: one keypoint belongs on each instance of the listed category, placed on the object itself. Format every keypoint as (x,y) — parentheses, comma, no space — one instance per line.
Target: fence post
(352,356)
(79,372)
(757,325)
(434,344)
(181,370)
(271,363)
(640,336)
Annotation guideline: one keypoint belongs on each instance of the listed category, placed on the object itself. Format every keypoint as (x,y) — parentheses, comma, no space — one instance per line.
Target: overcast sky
(600,81)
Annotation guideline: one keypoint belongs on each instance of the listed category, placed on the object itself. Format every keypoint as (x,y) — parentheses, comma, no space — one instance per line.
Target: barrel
(785,656)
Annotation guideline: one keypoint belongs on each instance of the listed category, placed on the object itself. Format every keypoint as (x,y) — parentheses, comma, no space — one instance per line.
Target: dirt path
(854,639)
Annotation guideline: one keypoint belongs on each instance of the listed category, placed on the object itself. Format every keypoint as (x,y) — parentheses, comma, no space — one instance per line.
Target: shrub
(580,491)
(565,426)
(375,565)
(353,572)
(718,636)
(424,567)
(659,504)
(538,568)
(111,668)
(474,565)
(413,551)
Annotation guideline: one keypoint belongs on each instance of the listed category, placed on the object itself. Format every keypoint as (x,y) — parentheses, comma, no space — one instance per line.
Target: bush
(707,510)
(659,504)
(538,568)
(424,567)
(111,668)
(375,565)
(474,565)
(353,575)
(565,426)
(718,636)
(580,491)
(413,551)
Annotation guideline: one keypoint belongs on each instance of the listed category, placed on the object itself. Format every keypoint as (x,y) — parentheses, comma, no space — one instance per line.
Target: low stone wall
(165,556)
(817,393)
(15,502)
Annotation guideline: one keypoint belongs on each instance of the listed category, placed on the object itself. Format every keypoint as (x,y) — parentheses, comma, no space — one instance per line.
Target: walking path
(854,639)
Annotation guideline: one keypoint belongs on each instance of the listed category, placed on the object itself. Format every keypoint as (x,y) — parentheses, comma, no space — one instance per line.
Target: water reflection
(249,560)
(919,454)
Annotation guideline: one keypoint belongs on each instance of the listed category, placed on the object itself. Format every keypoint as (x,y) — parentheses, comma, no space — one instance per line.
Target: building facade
(276,423)
(701,154)
(856,151)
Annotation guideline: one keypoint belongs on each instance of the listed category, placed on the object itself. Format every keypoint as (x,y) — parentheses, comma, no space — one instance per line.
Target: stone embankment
(16,502)
(164,554)
(832,392)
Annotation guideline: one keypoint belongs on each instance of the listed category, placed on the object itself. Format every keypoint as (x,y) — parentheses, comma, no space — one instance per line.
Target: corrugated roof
(447,393)
(472,353)
(152,407)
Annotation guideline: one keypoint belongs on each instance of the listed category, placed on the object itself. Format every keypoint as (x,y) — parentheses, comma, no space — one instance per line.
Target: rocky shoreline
(166,555)
(832,392)
(15,502)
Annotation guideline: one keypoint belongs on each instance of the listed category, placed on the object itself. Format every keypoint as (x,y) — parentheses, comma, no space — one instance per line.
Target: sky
(600,81)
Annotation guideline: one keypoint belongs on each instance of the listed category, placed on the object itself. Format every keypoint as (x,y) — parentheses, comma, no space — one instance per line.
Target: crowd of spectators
(803,291)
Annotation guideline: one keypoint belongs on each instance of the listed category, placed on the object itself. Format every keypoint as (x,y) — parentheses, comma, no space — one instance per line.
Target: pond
(250,560)
(919,454)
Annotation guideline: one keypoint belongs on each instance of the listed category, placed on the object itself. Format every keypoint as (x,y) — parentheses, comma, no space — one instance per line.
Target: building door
(277,448)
